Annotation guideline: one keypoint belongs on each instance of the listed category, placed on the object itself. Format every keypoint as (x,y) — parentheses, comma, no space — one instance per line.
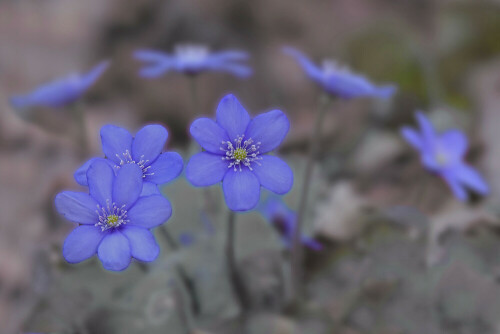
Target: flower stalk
(234,276)
(297,250)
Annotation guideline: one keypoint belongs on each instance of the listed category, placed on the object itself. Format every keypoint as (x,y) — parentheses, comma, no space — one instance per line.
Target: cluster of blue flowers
(123,202)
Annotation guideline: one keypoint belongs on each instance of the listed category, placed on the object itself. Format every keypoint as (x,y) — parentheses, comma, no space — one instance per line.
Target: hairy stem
(238,286)
(188,284)
(297,250)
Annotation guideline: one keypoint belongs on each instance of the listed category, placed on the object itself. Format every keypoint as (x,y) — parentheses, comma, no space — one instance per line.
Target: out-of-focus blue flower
(338,80)
(283,219)
(235,150)
(444,154)
(114,220)
(143,150)
(61,92)
(192,59)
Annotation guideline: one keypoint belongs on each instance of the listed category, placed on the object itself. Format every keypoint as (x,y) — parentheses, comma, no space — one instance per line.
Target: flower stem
(297,250)
(188,284)
(81,135)
(238,286)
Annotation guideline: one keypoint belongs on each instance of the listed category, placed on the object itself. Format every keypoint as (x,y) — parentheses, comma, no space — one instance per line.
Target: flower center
(126,158)
(442,159)
(111,216)
(331,67)
(191,53)
(240,152)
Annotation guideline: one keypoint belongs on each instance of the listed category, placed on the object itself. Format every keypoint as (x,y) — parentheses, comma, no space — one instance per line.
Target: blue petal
(77,207)
(384,92)
(454,142)
(205,169)
(166,168)
(455,186)
(241,190)
(143,245)
(312,243)
(60,92)
(91,77)
(307,65)
(157,63)
(149,188)
(469,177)
(427,129)
(232,117)
(127,185)
(209,135)
(116,141)
(238,70)
(150,211)
(412,137)
(101,177)
(230,56)
(82,243)
(81,173)
(148,143)
(269,129)
(274,174)
(114,251)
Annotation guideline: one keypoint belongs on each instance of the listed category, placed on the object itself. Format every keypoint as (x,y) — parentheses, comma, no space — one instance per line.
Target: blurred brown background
(443,54)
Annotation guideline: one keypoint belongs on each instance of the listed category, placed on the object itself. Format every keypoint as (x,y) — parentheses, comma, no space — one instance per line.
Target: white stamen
(111,216)
(242,153)
(127,159)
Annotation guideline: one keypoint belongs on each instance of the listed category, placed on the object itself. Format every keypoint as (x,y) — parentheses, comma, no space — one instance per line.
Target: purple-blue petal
(166,167)
(209,135)
(269,129)
(232,117)
(127,185)
(77,207)
(313,71)
(205,169)
(82,243)
(426,128)
(469,177)
(456,187)
(116,141)
(412,137)
(454,142)
(311,243)
(101,178)
(241,189)
(143,245)
(114,251)
(148,143)
(150,211)
(80,174)
(149,188)
(274,174)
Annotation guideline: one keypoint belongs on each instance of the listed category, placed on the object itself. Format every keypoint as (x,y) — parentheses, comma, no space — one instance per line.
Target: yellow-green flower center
(113,220)
(240,154)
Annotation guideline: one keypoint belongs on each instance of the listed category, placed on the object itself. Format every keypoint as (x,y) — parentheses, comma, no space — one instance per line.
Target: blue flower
(145,151)
(283,219)
(235,150)
(61,92)
(338,80)
(192,59)
(114,220)
(443,154)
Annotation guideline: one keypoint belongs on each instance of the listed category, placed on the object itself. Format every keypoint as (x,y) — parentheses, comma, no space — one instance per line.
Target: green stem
(188,284)
(297,250)
(238,286)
